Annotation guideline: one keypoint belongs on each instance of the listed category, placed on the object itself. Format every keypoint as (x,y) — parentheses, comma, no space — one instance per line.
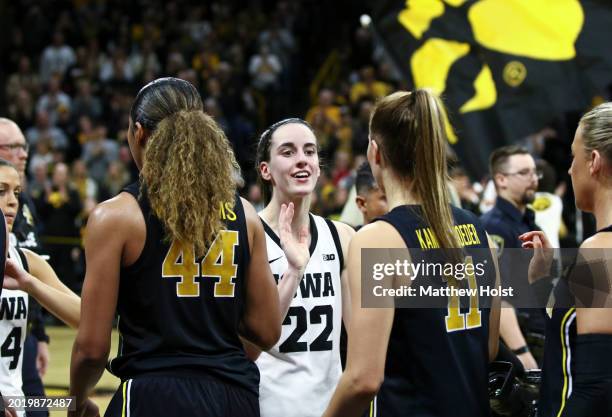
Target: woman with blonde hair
(417,361)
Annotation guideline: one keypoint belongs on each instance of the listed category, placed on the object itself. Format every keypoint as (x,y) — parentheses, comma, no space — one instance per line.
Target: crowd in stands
(71,69)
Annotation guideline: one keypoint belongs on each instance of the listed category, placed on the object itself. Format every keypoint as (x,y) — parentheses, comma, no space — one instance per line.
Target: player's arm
(43,284)
(368,335)
(107,230)
(345,233)
(495,312)
(297,254)
(261,323)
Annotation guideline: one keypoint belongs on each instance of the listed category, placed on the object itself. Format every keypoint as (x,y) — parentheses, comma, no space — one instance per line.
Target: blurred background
(509,72)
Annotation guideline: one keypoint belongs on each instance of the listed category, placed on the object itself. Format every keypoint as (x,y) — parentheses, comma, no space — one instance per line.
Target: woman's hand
(296,249)
(541,261)
(15,277)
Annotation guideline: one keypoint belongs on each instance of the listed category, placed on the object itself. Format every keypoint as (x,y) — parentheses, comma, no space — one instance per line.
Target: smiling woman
(307,357)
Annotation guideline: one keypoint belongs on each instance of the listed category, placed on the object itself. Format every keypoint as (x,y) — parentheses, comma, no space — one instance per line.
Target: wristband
(521,350)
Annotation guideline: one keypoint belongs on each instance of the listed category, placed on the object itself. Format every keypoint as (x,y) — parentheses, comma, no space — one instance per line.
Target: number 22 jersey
(300,373)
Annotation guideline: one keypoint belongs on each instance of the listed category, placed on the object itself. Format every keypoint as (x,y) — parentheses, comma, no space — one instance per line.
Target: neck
(301,207)
(520,206)
(602,208)
(398,193)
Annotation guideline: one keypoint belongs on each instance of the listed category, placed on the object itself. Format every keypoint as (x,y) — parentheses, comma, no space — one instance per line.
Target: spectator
(54,101)
(325,116)
(85,103)
(44,129)
(21,110)
(56,58)
(98,154)
(369,86)
(265,69)
(58,208)
(24,79)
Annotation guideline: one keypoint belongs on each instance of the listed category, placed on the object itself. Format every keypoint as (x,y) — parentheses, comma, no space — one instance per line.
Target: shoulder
(598,241)
(490,216)
(251,216)
(120,214)
(379,234)
(345,232)
(494,224)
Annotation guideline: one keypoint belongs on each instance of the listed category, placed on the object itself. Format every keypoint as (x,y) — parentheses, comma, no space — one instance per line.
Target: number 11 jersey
(299,374)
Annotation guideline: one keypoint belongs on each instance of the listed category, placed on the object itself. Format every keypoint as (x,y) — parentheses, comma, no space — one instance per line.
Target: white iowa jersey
(13,328)
(299,375)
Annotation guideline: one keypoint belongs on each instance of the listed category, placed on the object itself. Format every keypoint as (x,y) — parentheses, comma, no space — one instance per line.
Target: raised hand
(15,277)
(542,256)
(296,249)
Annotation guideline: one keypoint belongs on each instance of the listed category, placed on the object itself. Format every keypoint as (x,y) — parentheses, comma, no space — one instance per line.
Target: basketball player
(26,273)
(3,252)
(299,373)
(182,260)
(434,361)
(577,372)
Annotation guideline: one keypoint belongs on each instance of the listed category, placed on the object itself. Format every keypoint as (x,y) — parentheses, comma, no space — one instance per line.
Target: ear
(140,134)
(376,150)
(595,164)
(499,180)
(264,170)
(360,201)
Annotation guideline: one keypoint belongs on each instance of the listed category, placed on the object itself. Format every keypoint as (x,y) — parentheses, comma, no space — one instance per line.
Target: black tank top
(431,369)
(178,314)
(558,367)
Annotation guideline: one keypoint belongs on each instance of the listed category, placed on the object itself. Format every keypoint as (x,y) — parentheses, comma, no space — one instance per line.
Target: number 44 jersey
(299,375)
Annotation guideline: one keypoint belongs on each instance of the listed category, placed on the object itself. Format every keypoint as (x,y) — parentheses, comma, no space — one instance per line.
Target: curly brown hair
(189,167)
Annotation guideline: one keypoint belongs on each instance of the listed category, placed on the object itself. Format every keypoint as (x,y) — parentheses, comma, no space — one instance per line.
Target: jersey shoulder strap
(334,232)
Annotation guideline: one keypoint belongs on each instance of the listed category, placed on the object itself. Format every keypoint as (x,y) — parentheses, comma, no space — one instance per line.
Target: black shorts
(181,396)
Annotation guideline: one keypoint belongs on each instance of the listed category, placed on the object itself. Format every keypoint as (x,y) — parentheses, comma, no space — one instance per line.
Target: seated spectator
(56,58)
(98,154)
(368,85)
(44,129)
(21,110)
(85,103)
(116,178)
(24,78)
(325,116)
(54,101)
(265,69)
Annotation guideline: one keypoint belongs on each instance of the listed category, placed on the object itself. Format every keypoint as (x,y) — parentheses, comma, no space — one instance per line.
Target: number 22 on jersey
(218,263)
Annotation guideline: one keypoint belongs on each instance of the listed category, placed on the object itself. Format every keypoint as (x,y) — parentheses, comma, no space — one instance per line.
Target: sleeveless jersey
(180,315)
(558,368)
(300,373)
(13,330)
(436,366)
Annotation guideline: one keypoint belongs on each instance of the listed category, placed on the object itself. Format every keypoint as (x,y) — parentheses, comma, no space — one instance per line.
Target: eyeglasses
(14,147)
(526,173)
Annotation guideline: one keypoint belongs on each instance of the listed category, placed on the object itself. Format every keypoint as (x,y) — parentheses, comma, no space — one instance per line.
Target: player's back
(178,314)
(437,359)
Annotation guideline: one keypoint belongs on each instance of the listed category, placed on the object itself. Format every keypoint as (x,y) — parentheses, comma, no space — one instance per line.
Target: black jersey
(559,366)
(433,369)
(178,314)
